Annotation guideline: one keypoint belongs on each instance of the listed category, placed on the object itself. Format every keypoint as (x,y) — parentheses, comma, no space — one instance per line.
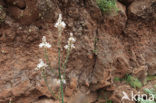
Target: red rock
(125,41)
(19,3)
(68,92)
(118,94)
(143,8)
(21,88)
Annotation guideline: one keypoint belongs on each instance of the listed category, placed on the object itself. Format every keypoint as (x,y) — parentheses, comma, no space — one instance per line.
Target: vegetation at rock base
(134,82)
(149,92)
(107,5)
(109,101)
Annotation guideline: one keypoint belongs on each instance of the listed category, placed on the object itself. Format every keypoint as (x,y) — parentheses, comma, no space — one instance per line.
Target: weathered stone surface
(140,73)
(145,9)
(21,88)
(110,61)
(19,3)
(118,94)
(33,10)
(107,46)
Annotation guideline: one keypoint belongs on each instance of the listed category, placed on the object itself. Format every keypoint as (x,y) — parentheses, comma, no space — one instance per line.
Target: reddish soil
(125,44)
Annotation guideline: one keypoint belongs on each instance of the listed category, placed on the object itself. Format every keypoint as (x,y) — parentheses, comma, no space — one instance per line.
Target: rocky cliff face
(108,45)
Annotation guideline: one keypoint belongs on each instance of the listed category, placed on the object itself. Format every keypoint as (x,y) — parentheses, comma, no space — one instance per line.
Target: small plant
(107,5)
(2,14)
(149,92)
(134,82)
(109,101)
(117,79)
(42,66)
(95,44)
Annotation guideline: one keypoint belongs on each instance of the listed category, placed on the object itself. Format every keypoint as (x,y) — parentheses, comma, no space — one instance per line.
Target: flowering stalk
(68,47)
(43,65)
(65,63)
(59,70)
(60,25)
(46,45)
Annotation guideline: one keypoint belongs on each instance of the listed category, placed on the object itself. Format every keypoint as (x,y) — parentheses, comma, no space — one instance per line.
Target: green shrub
(107,5)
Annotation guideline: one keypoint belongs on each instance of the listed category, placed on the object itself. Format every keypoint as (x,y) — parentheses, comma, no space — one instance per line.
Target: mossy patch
(107,5)
(134,82)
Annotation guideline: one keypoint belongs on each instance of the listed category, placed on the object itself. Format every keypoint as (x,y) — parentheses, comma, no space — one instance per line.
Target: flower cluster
(44,43)
(58,81)
(41,65)
(71,41)
(60,25)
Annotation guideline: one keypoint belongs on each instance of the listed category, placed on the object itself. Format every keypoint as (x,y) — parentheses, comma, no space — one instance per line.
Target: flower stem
(65,62)
(47,59)
(46,82)
(59,70)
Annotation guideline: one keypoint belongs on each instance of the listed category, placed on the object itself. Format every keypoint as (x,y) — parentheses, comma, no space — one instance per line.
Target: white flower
(66,46)
(72,46)
(64,81)
(69,46)
(41,65)
(44,43)
(60,24)
(71,41)
(58,82)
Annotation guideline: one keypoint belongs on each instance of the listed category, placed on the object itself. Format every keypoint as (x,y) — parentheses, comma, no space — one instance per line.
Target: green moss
(117,79)
(109,101)
(134,82)
(107,5)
